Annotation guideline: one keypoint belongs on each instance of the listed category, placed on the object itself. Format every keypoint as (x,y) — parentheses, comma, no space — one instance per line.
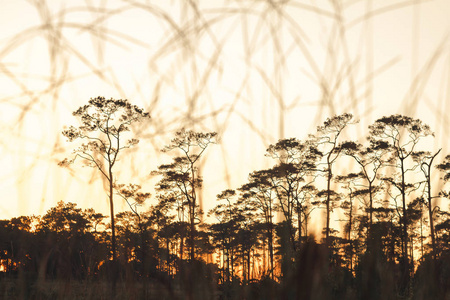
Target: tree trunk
(143,251)
(181,246)
(327,229)
(430,206)
(430,215)
(406,262)
(299,218)
(111,208)
(404,217)
(370,206)
(113,235)
(248,265)
(232,264)
(192,235)
(270,232)
(350,231)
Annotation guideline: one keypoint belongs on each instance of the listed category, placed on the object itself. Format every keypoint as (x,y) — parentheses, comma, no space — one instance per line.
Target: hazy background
(254,71)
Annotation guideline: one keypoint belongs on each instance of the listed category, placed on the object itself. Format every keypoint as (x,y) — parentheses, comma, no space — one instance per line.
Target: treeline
(383,235)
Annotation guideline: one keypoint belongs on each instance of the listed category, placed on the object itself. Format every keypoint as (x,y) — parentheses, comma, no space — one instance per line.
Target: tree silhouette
(223,233)
(306,204)
(425,160)
(349,182)
(402,133)
(327,143)
(174,189)
(135,198)
(16,241)
(258,235)
(296,161)
(444,167)
(260,192)
(370,160)
(166,232)
(246,238)
(182,175)
(69,241)
(103,125)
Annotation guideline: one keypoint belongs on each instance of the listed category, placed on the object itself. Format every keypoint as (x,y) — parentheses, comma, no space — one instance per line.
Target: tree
(296,161)
(414,213)
(182,175)
(246,237)
(131,192)
(305,207)
(128,228)
(348,182)
(16,241)
(103,125)
(224,232)
(65,217)
(425,159)
(174,190)
(327,143)
(370,160)
(443,231)
(69,241)
(166,233)
(134,197)
(444,167)
(402,133)
(259,191)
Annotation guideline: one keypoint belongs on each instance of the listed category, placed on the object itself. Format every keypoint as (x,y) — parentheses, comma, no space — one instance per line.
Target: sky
(254,71)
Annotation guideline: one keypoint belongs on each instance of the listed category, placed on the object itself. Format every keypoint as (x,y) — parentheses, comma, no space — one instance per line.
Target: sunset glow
(256,72)
(249,71)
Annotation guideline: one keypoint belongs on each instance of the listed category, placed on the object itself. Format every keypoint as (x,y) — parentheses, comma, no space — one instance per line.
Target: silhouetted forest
(384,235)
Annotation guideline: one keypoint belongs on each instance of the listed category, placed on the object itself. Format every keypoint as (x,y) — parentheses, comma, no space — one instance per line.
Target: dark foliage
(394,242)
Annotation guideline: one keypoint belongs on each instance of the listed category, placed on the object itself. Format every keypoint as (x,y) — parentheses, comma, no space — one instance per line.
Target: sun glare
(257,73)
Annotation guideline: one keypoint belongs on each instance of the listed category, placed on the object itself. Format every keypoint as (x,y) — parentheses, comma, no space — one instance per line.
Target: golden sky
(254,71)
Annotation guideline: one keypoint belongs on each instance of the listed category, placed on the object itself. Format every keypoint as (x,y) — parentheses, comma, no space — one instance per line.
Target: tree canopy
(383,232)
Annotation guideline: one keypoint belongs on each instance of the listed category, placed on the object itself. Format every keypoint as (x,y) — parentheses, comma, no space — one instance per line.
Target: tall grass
(254,71)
